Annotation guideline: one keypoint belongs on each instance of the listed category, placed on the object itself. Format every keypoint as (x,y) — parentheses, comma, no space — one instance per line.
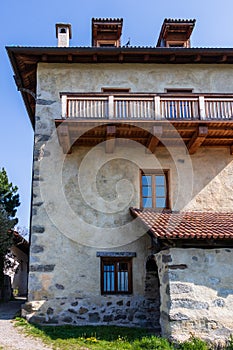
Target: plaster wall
(81,201)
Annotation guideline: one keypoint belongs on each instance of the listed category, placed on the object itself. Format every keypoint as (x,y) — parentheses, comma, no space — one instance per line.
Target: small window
(116,275)
(115,90)
(154,190)
(178,91)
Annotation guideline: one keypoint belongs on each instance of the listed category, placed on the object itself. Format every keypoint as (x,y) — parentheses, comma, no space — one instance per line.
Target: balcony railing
(147,107)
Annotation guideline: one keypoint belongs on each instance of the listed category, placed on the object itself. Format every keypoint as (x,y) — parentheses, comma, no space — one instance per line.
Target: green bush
(194,344)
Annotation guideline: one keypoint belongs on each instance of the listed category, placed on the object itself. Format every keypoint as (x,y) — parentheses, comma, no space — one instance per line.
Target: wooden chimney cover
(106,32)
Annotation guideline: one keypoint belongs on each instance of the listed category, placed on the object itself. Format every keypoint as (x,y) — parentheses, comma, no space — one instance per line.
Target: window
(154,189)
(116,275)
(113,90)
(179,91)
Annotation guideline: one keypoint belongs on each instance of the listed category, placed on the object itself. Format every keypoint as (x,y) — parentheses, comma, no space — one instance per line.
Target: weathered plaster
(71,222)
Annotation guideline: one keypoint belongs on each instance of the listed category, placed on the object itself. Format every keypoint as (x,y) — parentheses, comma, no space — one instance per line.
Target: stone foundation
(111,310)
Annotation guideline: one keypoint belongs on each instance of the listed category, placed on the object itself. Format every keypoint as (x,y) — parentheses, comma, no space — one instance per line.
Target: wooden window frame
(150,172)
(115,261)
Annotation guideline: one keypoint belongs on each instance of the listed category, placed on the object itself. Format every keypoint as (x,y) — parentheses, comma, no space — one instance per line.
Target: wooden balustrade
(142,107)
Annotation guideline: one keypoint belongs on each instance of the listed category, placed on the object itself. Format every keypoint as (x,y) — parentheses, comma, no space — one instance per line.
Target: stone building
(132,196)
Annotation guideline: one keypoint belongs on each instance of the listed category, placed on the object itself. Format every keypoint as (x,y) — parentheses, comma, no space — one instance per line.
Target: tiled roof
(187,225)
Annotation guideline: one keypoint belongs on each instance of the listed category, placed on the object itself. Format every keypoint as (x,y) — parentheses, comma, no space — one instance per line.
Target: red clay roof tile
(186,225)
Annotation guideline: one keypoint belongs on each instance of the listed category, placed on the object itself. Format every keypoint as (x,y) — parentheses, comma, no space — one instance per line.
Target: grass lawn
(105,337)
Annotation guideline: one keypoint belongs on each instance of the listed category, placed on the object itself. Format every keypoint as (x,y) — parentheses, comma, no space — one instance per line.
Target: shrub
(194,344)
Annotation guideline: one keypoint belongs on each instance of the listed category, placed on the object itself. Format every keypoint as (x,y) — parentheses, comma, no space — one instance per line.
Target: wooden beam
(27,72)
(223,59)
(197,58)
(110,139)
(154,138)
(121,57)
(44,58)
(70,58)
(231,149)
(172,58)
(64,138)
(197,139)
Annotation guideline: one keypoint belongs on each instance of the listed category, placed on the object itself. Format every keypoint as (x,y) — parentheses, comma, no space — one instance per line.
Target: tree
(9,201)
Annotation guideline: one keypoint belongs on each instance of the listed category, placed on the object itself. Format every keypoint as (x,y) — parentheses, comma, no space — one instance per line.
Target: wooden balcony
(151,119)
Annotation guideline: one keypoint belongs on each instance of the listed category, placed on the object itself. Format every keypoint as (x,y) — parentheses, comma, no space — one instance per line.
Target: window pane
(122,277)
(147,202)
(160,191)
(146,180)
(160,179)
(109,278)
(146,191)
(160,202)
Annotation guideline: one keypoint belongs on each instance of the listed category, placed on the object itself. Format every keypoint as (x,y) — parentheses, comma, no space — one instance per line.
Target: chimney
(106,32)
(63,34)
(176,33)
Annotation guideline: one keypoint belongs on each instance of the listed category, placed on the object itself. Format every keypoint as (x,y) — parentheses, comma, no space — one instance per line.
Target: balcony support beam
(64,138)
(197,139)
(154,138)
(110,139)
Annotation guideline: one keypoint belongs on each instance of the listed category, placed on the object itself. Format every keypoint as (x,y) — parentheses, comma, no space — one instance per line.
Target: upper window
(116,275)
(154,189)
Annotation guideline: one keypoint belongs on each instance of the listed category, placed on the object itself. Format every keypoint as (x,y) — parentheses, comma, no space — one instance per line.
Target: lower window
(116,275)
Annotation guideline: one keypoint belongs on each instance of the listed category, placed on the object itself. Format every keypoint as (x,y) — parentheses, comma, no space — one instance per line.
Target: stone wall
(196,293)
(133,311)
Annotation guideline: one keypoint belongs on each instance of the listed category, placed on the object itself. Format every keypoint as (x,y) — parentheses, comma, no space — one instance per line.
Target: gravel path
(10,337)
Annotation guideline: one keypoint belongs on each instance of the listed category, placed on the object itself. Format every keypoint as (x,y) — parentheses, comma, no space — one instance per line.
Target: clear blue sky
(32,23)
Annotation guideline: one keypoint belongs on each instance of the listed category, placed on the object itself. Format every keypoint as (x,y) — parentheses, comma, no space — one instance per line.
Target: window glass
(147,202)
(146,180)
(160,203)
(154,190)
(116,275)
(146,191)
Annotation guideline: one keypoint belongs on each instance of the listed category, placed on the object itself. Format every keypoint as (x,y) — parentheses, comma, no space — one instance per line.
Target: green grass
(105,337)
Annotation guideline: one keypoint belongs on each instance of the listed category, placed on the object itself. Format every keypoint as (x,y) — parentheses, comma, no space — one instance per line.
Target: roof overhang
(24,61)
(188,228)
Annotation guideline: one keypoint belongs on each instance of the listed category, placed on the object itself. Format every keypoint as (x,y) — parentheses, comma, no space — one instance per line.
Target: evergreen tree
(9,201)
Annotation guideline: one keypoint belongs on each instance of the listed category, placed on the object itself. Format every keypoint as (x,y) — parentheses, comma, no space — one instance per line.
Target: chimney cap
(64,25)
